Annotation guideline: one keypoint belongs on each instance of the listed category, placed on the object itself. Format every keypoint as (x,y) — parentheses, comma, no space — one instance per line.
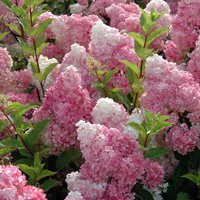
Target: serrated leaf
(48,184)
(155,153)
(66,157)
(155,34)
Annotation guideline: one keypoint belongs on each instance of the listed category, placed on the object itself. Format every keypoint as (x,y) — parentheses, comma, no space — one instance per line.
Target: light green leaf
(155,34)
(138,37)
(48,70)
(2,35)
(108,76)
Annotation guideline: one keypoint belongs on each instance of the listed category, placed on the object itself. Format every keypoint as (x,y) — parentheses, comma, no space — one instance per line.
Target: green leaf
(8,3)
(3,124)
(48,70)
(155,153)
(98,84)
(108,76)
(45,173)
(14,28)
(155,34)
(24,152)
(28,170)
(183,196)
(42,26)
(37,130)
(66,157)
(26,161)
(2,35)
(37,161)
(48,184)
(191,177)
(139,128)
(10,142)
(5,150)
(143,53)
(146,22)
(138,37)
(142,193)
(132,66)
(40,48)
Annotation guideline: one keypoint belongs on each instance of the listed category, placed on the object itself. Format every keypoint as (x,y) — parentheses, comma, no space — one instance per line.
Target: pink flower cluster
(168,88)
(182,139)
(15,81)
(193,65)
(113,162)
(13,185)
(185,31)
(65,103)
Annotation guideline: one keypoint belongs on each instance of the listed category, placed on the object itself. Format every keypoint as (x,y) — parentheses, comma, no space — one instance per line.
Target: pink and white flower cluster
(13,185)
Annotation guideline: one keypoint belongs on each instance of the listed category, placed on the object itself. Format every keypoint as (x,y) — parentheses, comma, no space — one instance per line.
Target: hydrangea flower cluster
(15,81)
(113,161)
(181,92)
(65,103)
(13,185)
(185,31)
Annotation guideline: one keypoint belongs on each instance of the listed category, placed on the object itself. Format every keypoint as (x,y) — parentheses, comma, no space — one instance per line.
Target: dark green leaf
(48,184)
(155,153)
(10,142)
(35,133)
(183,196)
(45,173)
(66,157)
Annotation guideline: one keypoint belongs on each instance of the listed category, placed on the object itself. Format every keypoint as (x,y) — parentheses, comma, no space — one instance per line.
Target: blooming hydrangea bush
(100,102)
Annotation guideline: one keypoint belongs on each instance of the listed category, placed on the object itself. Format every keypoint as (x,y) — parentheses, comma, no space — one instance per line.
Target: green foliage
(153,123)
(141,193)
(29,34)
(66,157)
(193,178)
(36,172)
(103,77)
(155,153)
